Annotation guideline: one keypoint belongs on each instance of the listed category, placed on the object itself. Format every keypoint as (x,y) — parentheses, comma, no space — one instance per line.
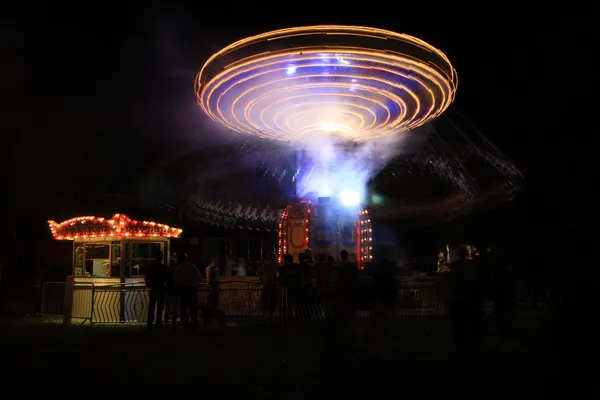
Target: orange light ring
(393,83)
(119,225)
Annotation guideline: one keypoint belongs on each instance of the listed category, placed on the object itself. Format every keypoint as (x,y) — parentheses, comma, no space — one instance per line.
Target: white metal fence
(127,303)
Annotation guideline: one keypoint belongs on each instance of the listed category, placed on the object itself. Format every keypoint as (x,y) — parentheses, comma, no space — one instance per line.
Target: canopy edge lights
(118,226)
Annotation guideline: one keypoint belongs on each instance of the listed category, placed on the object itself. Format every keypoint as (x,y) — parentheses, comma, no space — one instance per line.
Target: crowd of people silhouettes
(175,286)
(294,287)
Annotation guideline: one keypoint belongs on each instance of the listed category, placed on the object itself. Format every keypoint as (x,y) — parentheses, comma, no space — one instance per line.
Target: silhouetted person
(321,272)
(171,298)
(289,272)
(305,298)
(304,267)
(501,287)
(291,282)
(187,277)
(309,257)
(442,263)
(212,280)
(384,288)
(464,302)
(156,279)
(331,266)
(347,282)
(338,336)
(268,275)
(383,299)
(331,262)
(347,270)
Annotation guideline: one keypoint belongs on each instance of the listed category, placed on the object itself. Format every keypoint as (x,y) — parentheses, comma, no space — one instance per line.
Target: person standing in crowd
(331,264)
(186,279)
(384,288)
(304,267)
(382,300)
(291,282)
(321,271)
(464,303)
(442,263)
(347,284)
(212,280)
(268,277)
(171,300)
(347,270)
(289,272)
(156,280)
(304,298)
(309,258)
(501,286)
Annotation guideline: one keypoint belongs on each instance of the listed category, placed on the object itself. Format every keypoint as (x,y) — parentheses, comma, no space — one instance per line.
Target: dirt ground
(404,355)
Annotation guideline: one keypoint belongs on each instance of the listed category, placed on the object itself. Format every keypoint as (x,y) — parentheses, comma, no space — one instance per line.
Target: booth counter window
(78,259)
(142,255)
(115,259)
(96,259)
(104,259)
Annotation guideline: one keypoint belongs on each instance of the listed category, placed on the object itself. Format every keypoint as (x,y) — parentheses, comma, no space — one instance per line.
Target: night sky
(96,98)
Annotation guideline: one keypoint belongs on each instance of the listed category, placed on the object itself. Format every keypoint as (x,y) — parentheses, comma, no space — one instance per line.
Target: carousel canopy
(320,111)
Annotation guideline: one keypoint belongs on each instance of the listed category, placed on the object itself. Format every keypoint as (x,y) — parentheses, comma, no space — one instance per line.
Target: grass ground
(410,355)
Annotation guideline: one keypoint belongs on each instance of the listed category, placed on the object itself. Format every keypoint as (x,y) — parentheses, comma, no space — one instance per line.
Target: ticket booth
(110,252)
(115,250)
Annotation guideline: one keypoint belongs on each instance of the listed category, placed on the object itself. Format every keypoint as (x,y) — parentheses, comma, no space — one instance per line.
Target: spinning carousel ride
(356,87)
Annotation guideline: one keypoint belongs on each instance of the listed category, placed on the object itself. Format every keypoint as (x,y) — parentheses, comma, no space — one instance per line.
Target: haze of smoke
(332,165)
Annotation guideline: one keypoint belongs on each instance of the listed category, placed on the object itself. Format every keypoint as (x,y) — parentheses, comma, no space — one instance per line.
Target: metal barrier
(83,302)
(308,304)
(127,303)
(244,285)
(120,303)
(243,301)
(420,299)
(53,300)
